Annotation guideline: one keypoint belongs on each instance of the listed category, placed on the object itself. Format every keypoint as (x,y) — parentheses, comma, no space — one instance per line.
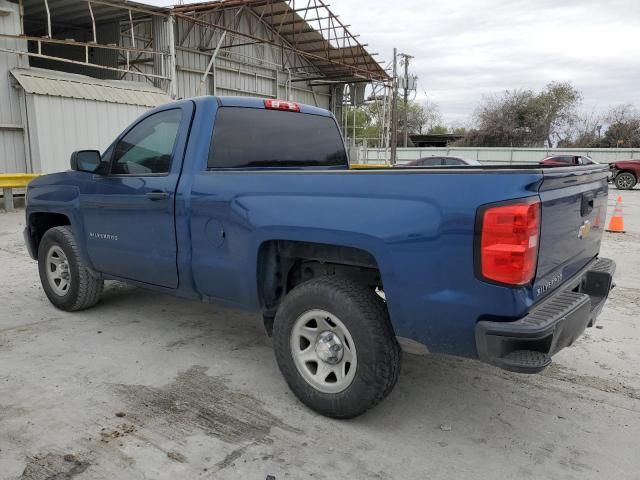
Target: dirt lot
(148,386)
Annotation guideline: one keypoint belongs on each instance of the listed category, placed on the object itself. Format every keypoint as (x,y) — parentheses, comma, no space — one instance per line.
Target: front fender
(61,200)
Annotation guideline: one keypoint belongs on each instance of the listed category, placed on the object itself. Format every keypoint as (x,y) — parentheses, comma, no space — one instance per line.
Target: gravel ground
(148,386)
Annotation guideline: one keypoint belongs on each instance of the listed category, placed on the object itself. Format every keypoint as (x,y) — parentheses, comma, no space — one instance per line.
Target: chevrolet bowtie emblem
(585,228)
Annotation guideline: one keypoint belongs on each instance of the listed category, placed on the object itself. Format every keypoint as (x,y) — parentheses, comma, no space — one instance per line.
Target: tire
(625,181)
(66,281)
(355,314)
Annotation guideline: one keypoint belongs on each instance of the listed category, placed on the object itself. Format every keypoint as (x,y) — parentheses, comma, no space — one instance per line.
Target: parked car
(625,173)
(251,203)
(564,160)
(439,162)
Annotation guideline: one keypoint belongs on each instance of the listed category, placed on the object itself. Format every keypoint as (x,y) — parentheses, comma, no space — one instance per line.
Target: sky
(464,49)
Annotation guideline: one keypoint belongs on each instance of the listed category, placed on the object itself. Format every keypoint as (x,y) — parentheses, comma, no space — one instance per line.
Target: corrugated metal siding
(58,84)
(12,147)
(251,70)
(60,125)
(162,38)
(106,33)
(143,33)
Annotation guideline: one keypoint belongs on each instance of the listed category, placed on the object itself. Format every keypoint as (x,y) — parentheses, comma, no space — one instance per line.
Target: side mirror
(85,161)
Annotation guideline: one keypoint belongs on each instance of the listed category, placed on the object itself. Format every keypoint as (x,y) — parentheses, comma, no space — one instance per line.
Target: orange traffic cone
(616,224)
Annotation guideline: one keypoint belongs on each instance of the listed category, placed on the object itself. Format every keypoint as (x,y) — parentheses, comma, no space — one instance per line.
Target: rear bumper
(526,345)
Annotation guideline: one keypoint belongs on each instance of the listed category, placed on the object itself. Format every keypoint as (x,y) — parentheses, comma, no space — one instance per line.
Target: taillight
(509,243)
(281,105)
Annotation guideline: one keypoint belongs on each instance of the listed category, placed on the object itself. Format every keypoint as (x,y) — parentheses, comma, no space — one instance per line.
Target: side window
(432,162)
(453,161)
(148,147)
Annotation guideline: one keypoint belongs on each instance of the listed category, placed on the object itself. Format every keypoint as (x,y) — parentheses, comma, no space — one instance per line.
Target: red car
(566,160)
(625,173)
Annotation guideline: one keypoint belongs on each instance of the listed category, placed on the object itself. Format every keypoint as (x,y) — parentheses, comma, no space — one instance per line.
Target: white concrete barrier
(496,155)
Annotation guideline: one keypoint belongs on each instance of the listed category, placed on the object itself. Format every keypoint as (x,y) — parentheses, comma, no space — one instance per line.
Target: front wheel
(66,281)
(625,181)
(335,346)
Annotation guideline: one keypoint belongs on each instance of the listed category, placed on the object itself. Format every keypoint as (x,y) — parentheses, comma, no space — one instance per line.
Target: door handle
(157,195)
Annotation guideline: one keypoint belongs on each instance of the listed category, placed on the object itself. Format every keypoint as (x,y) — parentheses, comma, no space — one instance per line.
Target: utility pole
(406,58)
(394,109)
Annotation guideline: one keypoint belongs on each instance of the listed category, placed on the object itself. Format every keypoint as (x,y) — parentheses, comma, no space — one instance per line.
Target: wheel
(335,346)
(68,283)
(625,181)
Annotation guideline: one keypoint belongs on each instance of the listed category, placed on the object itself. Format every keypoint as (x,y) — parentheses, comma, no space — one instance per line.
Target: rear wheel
(66,281)
(335,346)
(625,181)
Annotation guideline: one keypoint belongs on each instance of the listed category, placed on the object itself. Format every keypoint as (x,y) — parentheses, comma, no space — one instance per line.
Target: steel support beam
(210,66)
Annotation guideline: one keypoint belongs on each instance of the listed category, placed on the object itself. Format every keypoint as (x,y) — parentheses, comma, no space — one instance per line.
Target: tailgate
(574,206)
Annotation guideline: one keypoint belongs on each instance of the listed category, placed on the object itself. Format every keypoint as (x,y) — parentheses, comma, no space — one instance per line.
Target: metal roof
(69,85)
(312,31)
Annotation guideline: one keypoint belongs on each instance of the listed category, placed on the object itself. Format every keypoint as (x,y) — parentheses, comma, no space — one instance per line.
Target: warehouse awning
(311,31)
(59,84)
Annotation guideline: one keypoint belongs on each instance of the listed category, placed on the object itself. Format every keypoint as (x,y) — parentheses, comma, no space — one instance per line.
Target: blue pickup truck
(251,203)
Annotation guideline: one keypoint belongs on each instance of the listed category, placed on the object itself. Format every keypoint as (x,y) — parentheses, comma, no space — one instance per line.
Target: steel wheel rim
(315,338)
(58,271)
(624,181)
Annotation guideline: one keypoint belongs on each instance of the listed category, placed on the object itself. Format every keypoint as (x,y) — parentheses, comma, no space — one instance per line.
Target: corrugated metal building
(13,144)
(74,74)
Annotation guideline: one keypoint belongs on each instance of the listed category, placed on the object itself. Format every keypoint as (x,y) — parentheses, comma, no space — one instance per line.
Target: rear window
(250,137)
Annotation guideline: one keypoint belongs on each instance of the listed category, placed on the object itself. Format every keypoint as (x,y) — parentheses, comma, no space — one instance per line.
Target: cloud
(465,49)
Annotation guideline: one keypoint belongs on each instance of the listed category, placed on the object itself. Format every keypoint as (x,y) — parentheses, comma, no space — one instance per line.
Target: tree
(365,123)
(439,130)
(524,118)
(624,127)
(421,118)
(555,109)
(584,131)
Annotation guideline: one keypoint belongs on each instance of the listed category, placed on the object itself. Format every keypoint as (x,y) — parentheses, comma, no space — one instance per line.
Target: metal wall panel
(107,33)
(245,70)
(143,33)
(59,126)
(162,34)
(12,143)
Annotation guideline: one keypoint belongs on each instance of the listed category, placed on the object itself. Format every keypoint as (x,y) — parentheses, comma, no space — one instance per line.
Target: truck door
(129,217)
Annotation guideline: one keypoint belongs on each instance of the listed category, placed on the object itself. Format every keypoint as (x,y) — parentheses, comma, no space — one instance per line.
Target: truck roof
(255,102)
(246,102)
